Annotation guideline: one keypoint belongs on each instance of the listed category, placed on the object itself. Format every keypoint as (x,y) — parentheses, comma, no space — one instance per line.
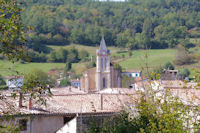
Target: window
(105,62)
(101,63)
(104,83)
(23,124)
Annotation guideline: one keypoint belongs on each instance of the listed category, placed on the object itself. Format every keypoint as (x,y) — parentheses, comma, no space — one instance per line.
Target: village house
(170,75)
(75,83)
(132,73)
(66,110)
(14,82)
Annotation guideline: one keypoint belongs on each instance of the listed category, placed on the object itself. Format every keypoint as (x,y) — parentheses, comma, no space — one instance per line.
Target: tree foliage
(155,111)
(133,24)
(65,82)
(37,83)
(183,73)
(169,66)
(11,30)
(183,56)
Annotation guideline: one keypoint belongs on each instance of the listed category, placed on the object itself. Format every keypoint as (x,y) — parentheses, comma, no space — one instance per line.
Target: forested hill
(135,24)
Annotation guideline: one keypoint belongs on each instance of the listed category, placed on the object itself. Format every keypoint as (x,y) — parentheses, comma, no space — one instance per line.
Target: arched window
(104,83)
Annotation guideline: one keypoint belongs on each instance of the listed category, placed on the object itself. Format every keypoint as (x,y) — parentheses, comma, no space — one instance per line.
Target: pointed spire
(102,44)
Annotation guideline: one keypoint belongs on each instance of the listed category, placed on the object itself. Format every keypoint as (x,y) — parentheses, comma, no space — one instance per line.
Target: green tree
(183,56)
(36,83)
(11,30)
(52,56)
(65,82)
(117,66)
(62,55)
(72,56)
(83,54)
(2,82)
(183,73)
(169,66)
(3,85)
(127,81)
(155,111)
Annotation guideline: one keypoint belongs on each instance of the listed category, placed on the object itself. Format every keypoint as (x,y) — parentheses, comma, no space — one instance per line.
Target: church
(104,75)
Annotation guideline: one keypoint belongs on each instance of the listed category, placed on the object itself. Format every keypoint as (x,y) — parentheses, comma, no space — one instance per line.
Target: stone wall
(84,123)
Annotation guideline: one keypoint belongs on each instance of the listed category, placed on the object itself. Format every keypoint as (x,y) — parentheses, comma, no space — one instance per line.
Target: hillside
(156,58)
(133,24)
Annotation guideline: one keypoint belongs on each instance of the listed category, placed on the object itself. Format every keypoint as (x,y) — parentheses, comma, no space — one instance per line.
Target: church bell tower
(103,73)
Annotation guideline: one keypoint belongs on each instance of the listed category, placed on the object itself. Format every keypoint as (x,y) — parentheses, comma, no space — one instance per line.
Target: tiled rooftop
(65,100)
(75,101)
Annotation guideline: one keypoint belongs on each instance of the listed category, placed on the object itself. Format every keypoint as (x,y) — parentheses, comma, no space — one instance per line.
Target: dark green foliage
(169,66)
(91,65)
(2,81)
(34,56)
(117,66)
(36,83)
(68,66)
(72,55)
(83,55)
(133,24)
(3,87)
(183,73)
(11,30)
(127,81)
(64,82)
(61,55)
(183,56)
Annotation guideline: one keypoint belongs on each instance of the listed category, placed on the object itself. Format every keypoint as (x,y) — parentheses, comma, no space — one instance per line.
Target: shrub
(169,66)
(183,73)
(3,87)
(64,82)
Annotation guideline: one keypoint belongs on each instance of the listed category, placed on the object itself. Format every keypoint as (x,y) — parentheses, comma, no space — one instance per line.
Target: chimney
(29,105)
(20,99)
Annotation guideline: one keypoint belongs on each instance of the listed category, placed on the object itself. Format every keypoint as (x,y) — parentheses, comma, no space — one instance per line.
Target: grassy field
(91,50)
(8,68)
(156,57)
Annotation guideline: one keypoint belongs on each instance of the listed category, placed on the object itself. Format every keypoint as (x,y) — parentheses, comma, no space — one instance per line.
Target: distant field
(137,61)
(8,68)
(90,49)
(79,68)
(154,58)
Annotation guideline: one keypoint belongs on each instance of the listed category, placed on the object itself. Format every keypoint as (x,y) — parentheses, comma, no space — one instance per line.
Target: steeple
(102,45)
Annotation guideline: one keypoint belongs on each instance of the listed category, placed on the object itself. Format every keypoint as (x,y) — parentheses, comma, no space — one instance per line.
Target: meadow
(90,49)
(139,60)
(9,68)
